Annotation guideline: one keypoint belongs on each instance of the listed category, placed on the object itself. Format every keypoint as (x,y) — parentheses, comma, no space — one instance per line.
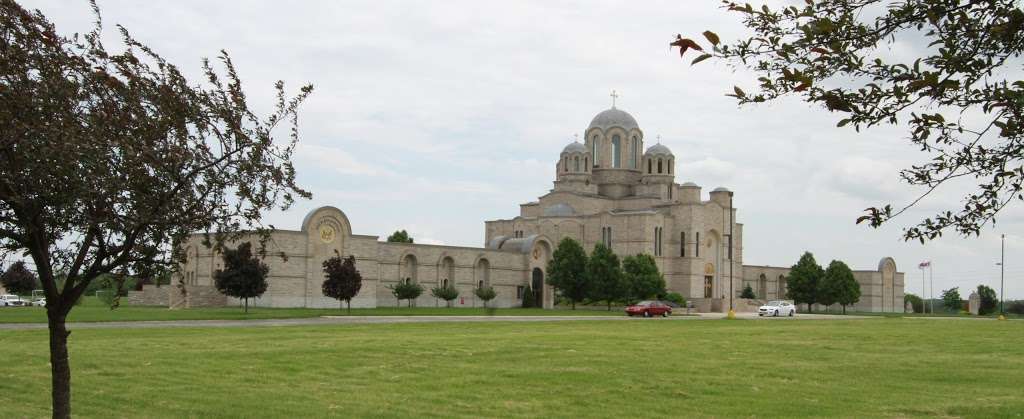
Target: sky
(436,116)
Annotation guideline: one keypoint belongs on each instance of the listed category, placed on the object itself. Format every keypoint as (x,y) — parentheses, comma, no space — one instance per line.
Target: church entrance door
(708,282)
(537,286)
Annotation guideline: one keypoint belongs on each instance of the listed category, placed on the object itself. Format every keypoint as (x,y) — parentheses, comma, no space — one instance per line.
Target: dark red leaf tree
(342,280)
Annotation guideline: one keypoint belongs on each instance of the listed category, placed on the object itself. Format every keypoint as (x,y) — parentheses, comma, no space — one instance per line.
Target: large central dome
(614,118)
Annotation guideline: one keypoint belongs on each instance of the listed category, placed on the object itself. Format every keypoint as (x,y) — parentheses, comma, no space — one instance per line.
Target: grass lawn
(93,310)
(644,368)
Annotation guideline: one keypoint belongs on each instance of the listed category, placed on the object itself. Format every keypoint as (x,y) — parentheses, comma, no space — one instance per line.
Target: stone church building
(609,189)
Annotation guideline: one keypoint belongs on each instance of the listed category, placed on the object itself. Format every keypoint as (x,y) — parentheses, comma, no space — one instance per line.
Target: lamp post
(1002,273)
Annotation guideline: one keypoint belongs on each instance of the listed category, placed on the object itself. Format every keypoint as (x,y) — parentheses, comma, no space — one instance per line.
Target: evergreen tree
(951,299)
(244,275)
(748,292)
(485,294)
(839,286)
(605,274)
(567,271)
(19,279)
(446,293)
(642,279)
(342,280)
(529,300)
(400,236)
(803,280)
(989,301)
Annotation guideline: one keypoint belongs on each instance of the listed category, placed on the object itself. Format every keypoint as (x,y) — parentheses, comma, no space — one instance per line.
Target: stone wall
(151,295)
(195,296)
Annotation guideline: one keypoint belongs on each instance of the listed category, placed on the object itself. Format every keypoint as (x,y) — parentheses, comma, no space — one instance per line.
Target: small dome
(690,185)
(559,210)
(575,147)
(658,149)
(721,189)
(614,118)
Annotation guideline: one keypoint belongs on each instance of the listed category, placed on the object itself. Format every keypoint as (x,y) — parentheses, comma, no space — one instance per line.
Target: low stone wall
(151,295)
(195,296)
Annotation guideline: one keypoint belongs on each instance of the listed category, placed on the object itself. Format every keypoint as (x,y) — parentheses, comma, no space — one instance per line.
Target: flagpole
(931,288)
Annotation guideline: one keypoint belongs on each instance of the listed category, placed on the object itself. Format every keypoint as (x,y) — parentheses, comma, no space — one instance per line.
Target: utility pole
(921,267)
(1002,273)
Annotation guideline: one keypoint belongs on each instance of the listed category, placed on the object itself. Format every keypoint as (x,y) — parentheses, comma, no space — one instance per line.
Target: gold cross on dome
(614,96)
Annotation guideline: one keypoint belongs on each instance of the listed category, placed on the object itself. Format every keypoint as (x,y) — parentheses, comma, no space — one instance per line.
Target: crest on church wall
(327,228)
(709,269)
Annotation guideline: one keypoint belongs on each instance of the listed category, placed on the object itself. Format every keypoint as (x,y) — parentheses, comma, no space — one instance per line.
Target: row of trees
(410,291)
(601,276)
(988,304)
(809,284)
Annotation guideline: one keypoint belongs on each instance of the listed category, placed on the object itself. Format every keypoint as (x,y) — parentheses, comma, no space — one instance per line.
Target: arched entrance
(537,285)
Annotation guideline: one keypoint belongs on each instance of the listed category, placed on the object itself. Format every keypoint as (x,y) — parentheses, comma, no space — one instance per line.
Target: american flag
(924,264)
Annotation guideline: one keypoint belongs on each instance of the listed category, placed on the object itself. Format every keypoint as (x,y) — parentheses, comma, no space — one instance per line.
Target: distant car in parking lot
(10,300)
(649,309)
(39,302)
(775,308)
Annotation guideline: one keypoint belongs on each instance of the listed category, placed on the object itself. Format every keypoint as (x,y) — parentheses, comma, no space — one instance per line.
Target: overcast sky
(436,116)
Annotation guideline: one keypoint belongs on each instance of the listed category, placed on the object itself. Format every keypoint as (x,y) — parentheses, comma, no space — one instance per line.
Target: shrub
(916,302)
(406,291)
(529,300)
(1015,307)
(675,297)
(748,292)
(989,301)
(446,293)
(486,294)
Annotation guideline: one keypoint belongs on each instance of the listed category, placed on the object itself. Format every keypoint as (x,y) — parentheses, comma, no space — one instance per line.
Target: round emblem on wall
(326,233)
(709,269)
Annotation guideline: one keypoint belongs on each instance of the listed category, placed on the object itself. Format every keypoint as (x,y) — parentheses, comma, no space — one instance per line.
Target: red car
(649,308)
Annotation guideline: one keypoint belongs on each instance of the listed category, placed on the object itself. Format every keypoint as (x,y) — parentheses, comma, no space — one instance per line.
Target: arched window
(782,287)
(659,167)
(648,167)
(586,163)
(633,154)
(696,248)
(594,149)
(565,165)
(576,163)
(444,283)
(670,167)
(670,192)
(616,152)
(762,287)
(480,284)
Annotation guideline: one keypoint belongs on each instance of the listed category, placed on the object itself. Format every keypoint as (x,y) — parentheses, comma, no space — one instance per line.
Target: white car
(41,302)
(777,308)
(10,300)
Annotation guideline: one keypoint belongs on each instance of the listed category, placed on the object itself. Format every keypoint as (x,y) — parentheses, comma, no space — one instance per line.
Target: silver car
(775,308)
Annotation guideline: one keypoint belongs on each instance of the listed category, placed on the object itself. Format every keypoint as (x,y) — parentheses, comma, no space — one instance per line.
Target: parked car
(649,308)
(9,300)
(775,308)
(39,302)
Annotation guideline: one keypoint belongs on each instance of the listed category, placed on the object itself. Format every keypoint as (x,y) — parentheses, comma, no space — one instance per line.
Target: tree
(837,54)
(399,236)
(839,286)
(567,271)
(951,299)
(156,157)
(18,279)
(446,293)
(803,280)
(342,281)
(641,276)
(529,300)
(485,294)
(409,291)
(989,301)
(916,303)
(244,275)
(605,275)
(747,292)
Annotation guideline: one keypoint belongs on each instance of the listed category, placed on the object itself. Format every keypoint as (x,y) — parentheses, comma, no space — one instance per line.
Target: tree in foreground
(989,301)
(447,293)
(18,279)
(567,271)
(803,280)
(951,299)
(110,159)
(605,274)
(642,278)
(485,294)
(963,60)
(408,291)
(244,275)
(400,236)
(748,292)
(342,281)
(839,286)
(529,300)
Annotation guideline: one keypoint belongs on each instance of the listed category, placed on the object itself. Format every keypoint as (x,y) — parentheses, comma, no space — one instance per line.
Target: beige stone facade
(609,189)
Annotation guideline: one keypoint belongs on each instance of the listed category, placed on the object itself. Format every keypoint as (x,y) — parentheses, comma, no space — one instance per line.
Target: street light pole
(931,288)
(1002,273)
(732,221)
(921,267)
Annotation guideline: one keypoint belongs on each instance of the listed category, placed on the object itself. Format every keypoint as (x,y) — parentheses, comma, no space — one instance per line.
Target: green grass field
(93,310)
(650,368)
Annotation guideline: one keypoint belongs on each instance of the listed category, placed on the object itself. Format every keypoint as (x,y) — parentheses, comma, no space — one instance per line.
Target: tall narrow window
(633,153)
(656,241)
(576,163)
(648,167)
(670,167)
(609,237)
(586,161)
(659,167)
(696,247)
(682,244)
(565,165)
(616,152)
(594,149)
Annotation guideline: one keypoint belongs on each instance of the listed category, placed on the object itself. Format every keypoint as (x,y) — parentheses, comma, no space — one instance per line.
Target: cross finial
(659,138)
(614,96)
(576,137)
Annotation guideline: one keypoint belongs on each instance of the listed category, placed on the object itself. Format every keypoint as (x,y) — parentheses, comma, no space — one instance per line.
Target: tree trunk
(609,305)
(573,304)
(349,304)
(60,368)
(246,306)
(844,308)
